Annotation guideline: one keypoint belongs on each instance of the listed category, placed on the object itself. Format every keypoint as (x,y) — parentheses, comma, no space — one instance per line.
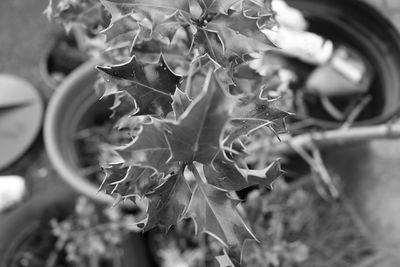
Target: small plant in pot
(58,229)
(77,44)
(62,57)
(72,132)
(340,45)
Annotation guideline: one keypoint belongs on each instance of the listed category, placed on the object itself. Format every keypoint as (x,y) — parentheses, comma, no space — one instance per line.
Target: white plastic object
(288,16)
(12,191)
(306,46)
(350,65)
(348,73)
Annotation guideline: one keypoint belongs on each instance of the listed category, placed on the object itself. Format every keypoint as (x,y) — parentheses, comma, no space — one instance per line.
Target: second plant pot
(356,25)
(74,107)
(28,235)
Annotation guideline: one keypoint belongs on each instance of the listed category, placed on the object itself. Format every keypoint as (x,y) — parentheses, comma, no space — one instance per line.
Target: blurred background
(339,206)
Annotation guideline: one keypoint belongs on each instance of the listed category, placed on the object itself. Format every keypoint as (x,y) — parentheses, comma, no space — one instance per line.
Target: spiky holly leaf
(260,10)
(123,29)
(168,202)
(126,32)
(215,213)
(132,123)
(257,8)
(169,26)
(197,134)
(193,83)
(123,102)
(155,10)
(85,12)
(180,103)
(217,6)
(224,260)
(247,86)
(227,175)
(239,35)
(243,127)
(129,181)
(147,83)
(175,54)
(209,43)
(149,149)
(230,37)
(254,107)
(132,30)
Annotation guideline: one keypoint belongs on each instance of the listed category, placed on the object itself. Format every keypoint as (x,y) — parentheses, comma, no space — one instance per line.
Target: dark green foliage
(177,63)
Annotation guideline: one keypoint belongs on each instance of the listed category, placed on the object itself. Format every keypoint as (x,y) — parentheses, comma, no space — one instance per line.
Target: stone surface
(26,35)
(378,4)
(395,19)
(371,175)
(393,5)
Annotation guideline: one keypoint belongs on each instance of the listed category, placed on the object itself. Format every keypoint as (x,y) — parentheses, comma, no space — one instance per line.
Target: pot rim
(51,123)
(387,70)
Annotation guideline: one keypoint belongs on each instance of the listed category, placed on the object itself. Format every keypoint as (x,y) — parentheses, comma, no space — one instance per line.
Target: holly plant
(178,71)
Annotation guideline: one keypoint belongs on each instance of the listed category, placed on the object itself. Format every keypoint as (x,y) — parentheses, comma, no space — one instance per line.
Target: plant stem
(337,137)
(317,165)
(356,112)
(53,257)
